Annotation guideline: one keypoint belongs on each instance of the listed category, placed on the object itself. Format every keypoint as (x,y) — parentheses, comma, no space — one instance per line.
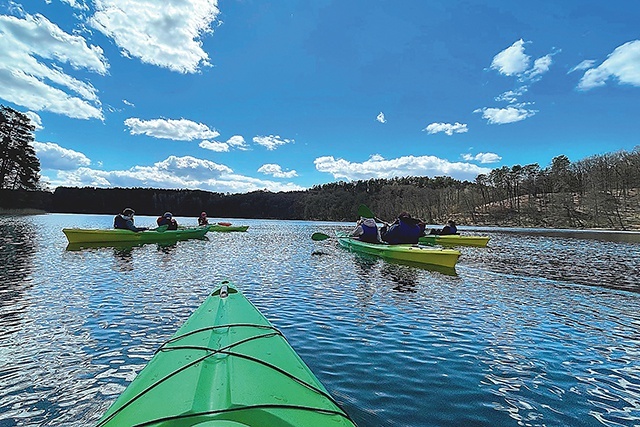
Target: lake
(540,328)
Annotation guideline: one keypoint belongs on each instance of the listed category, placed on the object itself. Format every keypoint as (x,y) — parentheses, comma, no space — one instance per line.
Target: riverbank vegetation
(597,192)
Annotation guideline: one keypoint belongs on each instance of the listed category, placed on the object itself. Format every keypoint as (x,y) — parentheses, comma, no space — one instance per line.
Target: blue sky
(242,95)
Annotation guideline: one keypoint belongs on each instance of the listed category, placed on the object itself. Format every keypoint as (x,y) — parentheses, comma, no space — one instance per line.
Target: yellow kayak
(454,240)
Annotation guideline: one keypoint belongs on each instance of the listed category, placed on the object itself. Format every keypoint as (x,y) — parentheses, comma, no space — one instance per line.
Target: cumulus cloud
(622,64)
(512,60)
(33,55)
(381,118)
(174,173)
(235,141)
(482,158)
(178,130)
(378,167)
(540,67)
(512,96)
(166,34)
(54,157)
(271,142)
(276,171)
(500,116)
(35,119)
(584,65)
(447,128)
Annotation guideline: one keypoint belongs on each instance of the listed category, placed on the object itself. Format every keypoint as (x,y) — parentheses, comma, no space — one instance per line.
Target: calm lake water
(538,329)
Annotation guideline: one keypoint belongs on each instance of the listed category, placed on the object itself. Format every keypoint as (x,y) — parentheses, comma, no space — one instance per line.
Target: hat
(452,222)
(203,214)
(167,215)
(404,215)
(128,211)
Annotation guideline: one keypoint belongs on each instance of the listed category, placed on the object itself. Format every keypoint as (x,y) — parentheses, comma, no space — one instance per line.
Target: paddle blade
(318,237)
(365,212)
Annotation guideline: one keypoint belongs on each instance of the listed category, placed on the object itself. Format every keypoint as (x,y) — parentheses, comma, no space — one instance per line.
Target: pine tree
(19,165)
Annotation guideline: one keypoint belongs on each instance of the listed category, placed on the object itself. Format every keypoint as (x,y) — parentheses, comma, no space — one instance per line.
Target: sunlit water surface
(533,330)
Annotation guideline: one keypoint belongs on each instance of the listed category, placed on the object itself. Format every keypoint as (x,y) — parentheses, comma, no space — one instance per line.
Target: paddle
(319,237)
(365,212)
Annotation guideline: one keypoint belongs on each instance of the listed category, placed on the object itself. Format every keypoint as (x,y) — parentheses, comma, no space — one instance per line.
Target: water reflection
(17,248)
(406,278)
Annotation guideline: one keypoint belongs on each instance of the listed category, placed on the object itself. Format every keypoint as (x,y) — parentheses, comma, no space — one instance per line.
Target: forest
(600,191)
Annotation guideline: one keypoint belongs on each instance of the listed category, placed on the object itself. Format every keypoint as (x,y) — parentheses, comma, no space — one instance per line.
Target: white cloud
(511,96)
(76,4)
(35,119)
(622,64)
(54,157)
(512,60)
(125,102)
(584,65)
(447,128)
(219,147)
(501,116)
(540,67)
(33,54)
(271,142)
(167,33)
(482,158)
(173,172)
(276,171)
(178,130)
(381,118)
(237,141)
(378,167)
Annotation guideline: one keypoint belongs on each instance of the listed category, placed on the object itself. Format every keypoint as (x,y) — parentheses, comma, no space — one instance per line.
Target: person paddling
(168,220)
(202,219)
(367,230)
(124,221)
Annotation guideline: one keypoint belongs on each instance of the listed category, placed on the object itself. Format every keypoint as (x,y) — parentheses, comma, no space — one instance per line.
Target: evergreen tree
(19,166)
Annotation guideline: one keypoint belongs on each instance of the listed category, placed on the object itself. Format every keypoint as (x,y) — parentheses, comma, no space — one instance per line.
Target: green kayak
(226,366)
(223,228)
(81,235)
(408,253)
(454,240)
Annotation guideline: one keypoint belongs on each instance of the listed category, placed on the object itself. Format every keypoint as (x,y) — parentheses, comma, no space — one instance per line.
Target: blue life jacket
(403,232)
(120,222)
(370,233)
(448,229)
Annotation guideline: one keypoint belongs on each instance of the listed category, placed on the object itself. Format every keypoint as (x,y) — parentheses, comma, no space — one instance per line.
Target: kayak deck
(454,240)
(81,235)
(408,253)
(226,366)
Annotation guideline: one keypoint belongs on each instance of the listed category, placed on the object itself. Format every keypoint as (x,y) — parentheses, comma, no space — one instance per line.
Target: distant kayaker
(367,230)
(404,230)
(202,219)
(168,220)
(124,221)
(450,228)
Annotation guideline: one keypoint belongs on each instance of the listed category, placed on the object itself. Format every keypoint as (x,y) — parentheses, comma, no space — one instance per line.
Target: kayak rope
(243,408)
(225,350)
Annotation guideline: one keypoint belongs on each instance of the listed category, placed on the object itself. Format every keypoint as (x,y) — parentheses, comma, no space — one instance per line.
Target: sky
(234,96)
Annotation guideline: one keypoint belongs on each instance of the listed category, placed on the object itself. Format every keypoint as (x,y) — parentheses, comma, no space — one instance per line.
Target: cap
(167,215)
(128,211)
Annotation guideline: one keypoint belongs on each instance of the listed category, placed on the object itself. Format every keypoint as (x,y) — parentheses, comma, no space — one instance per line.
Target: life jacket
(203,220)
(119,222)
(407,232)
(169,222)
(369,231)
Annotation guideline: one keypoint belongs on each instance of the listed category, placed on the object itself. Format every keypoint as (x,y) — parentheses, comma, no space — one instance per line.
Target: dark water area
(540,328)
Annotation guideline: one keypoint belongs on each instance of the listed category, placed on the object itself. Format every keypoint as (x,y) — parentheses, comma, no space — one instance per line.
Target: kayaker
(202,219)
(367,230)
(450,228)
(124,221)
(403,230)
(168,220)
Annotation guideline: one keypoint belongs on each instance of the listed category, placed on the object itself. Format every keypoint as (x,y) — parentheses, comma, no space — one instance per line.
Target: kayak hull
(226,366)
(406,253)
(228,228)
(455,240)
(80,235)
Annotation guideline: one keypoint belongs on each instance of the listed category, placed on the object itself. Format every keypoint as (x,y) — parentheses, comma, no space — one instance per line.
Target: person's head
(404,214)
(203,215)
(168,215)
(452,223)
(128,212)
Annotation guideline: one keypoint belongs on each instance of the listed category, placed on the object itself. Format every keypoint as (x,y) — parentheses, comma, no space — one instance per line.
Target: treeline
(597,192)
